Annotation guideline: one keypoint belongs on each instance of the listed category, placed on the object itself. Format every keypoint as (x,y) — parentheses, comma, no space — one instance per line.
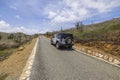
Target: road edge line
(27,69)
(96,57)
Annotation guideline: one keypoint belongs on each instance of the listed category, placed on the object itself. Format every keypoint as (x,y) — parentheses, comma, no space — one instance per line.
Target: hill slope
(105,31)
(104,36)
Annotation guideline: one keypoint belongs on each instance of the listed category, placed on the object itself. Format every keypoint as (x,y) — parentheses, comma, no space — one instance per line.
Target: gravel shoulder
(13,66)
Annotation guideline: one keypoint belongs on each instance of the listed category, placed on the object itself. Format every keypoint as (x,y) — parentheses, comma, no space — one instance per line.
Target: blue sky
(40,16)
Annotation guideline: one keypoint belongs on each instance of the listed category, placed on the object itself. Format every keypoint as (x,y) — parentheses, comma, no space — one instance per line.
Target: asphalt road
(65,64)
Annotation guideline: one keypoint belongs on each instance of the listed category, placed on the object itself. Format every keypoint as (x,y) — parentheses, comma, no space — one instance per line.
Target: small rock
(110,59)
(96,54)
(83,49)
(21,48)
(100,55)
(116,61)
(105,57)
(89,51)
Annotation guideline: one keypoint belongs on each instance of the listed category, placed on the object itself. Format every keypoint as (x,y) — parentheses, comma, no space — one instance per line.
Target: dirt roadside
(94,52)
(13,66)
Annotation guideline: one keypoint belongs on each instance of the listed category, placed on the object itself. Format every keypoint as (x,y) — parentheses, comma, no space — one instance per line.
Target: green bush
(115,27)
(4,54)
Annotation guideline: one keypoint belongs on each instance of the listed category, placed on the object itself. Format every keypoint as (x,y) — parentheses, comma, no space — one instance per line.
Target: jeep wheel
(51,43)
(57,45)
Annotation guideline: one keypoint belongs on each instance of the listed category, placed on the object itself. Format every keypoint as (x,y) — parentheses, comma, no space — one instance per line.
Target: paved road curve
(53,64)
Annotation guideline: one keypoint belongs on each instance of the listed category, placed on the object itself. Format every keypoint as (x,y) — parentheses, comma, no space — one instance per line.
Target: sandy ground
(13,66)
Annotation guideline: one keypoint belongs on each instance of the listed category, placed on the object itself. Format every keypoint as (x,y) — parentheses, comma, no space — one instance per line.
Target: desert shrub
(2,47)
(8,46)
(11,36)
(4,54)
(0,37)
(115,27)
(118,39)
(3,76)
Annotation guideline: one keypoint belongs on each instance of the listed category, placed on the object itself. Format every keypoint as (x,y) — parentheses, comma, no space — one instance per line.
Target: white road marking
(96,57)
(27,70)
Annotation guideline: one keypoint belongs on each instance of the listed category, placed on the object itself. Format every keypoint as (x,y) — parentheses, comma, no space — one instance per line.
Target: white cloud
(6,27)
(52,14)
(17,16)
(74,10)
(13,7)
(24,30)
(101,5)
(45,30)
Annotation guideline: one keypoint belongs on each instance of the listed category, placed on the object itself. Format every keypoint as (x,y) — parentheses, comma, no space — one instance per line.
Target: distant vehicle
(62,40)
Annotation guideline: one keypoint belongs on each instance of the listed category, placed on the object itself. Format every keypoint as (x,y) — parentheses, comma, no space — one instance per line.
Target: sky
(40,16)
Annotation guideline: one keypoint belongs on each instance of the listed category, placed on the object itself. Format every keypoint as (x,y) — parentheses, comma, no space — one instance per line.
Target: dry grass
(14,65)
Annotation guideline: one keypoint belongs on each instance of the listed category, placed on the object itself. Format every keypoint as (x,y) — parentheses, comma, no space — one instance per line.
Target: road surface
(65,64)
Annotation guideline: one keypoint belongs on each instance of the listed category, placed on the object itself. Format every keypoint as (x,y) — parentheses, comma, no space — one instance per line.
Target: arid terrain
(15,49)
(104,36)
(12,67)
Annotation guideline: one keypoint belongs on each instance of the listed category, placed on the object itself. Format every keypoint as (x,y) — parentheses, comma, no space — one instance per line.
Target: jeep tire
(57,45)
